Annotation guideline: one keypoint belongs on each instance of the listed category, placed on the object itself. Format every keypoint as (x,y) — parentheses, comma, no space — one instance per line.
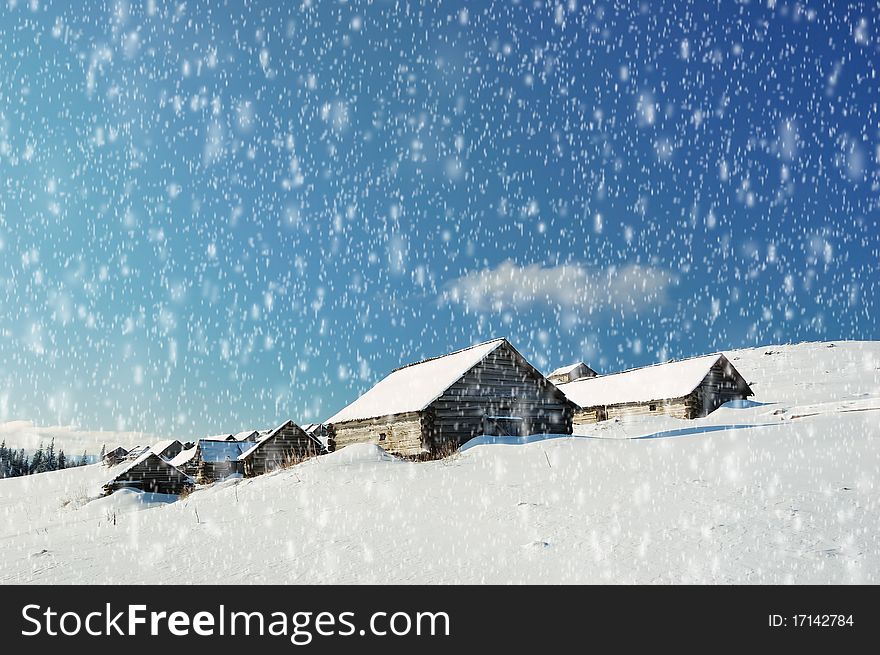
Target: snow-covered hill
(785,490)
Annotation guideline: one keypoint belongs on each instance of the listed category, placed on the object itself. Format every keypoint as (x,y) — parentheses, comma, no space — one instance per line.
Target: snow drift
(783,490)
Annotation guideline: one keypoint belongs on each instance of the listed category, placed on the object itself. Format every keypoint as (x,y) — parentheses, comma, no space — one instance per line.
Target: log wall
(503,384)
(403,433)
(288,444)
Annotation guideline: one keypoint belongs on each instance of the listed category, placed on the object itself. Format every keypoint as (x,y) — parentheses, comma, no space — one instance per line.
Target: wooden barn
(286,444)
(571,373)
(113,457)
(431,407)
(216,460)
(150,473)
(687,389)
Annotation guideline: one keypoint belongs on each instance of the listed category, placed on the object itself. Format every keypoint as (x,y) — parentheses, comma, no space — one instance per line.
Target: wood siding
(503,384)
(153,474)
(288,444)
(208,472)
(403,433)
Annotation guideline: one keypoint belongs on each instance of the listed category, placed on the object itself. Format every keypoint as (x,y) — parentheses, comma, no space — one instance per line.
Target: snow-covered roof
(245,435)
(221,451)
(265,435)
(137,452)
(657,382)
(118,471)
(160,446)
(412,388)
(217,437)
(183,457)
(565,370)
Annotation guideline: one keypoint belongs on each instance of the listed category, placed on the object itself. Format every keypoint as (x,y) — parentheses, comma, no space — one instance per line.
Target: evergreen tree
(38,463)
(51,457)
(62,460)
(21,465)
(103,452)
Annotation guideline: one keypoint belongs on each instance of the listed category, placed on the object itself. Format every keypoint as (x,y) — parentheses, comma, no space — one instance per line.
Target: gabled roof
(657,382)
(267,435)
(137,452)
(565,370)
(161,446)
(183,456)
(154,459)
(413,387)
(246,435)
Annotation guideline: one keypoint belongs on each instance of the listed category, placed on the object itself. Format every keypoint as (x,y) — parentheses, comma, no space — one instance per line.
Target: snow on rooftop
(216,437)
(159,446)
(565,370)
(657,382)
(183,457)
(414,387)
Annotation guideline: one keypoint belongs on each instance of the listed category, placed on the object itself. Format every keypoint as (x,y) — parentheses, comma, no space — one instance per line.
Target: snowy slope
(792,496)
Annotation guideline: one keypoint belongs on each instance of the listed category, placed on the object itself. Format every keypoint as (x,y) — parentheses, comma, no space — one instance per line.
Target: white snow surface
(564,370)
(414,387)
(780,492)
(657,382)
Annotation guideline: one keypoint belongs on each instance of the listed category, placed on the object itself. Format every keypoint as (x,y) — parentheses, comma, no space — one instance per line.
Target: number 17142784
(811,621)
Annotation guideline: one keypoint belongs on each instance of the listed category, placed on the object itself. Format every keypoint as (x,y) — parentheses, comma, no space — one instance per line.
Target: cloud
(24,434)
(569,287)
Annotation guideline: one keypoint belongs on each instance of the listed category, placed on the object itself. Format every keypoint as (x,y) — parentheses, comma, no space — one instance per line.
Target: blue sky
(220,215)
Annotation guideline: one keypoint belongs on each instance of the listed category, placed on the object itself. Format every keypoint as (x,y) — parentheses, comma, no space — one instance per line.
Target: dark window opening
(652,408)
(382,436)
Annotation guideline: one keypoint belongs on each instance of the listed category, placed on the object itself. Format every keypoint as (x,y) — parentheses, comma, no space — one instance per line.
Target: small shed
(113,457)
(687,389)
(286,444)
(151,473)
(216,460)
(571,373)
(430,408)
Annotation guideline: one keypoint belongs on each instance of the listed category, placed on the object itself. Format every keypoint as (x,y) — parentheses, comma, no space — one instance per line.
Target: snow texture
(793,498)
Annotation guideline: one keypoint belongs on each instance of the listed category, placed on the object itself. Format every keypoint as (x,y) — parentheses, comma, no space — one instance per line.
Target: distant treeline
(15,462)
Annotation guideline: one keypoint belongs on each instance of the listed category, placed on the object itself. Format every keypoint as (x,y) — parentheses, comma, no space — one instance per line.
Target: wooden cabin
(247,435)
(113,457)
(686,389)
(168,449)
(431,407)
(571,373)
(284,445)
(217,460)
(150,473)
